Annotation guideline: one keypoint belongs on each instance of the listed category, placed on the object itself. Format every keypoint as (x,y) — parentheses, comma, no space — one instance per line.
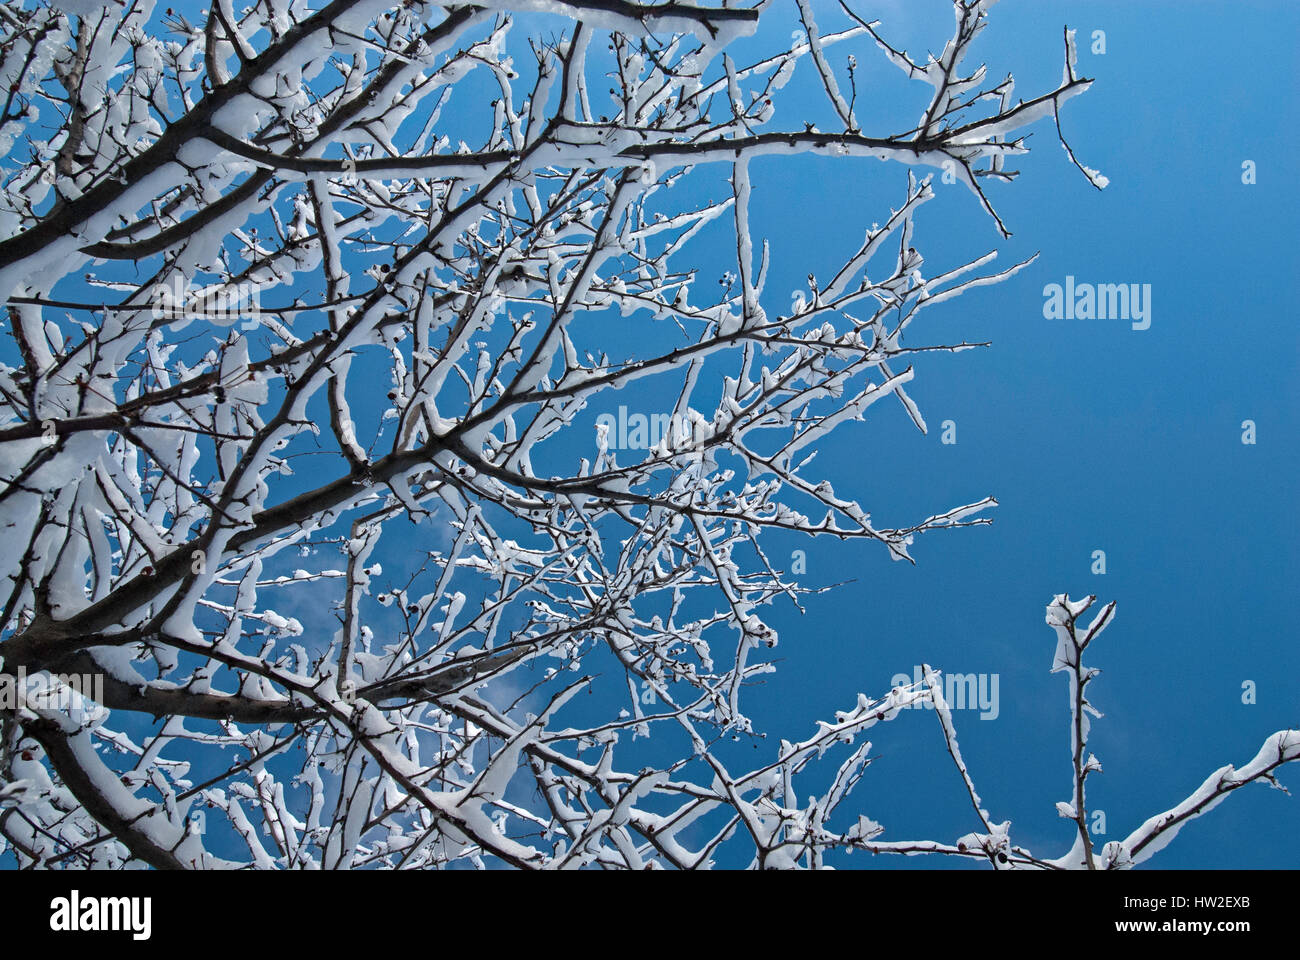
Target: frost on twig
(1071,642)
(993,840)
(1063,616)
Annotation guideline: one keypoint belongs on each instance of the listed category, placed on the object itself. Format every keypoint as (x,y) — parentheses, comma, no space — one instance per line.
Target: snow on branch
(315,438)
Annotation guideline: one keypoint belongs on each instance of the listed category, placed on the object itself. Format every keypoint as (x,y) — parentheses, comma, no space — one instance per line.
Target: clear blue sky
(1091,434)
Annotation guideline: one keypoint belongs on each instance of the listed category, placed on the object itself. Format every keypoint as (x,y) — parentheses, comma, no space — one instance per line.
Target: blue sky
(1092,435)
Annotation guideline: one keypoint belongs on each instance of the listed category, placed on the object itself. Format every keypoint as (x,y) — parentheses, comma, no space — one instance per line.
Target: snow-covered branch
(314,432)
